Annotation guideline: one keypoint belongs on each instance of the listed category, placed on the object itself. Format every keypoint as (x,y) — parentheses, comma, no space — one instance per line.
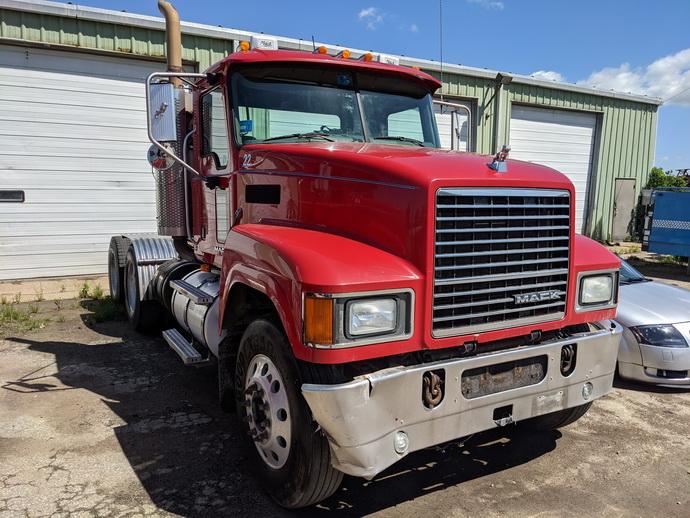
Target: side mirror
(162,116)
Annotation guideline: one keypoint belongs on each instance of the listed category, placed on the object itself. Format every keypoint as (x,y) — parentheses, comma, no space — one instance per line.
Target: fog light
(587,390)
(401,442)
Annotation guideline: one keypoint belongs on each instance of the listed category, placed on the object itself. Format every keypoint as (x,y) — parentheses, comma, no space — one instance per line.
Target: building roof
(153,22)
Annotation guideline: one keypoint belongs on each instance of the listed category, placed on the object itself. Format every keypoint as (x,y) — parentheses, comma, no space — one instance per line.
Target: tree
(660,178)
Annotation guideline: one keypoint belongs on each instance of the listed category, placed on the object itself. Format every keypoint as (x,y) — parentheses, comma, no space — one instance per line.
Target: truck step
(192,293)
(185,350)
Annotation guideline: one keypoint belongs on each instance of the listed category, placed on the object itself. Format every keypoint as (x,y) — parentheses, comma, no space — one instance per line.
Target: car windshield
(628,274)
(274,104)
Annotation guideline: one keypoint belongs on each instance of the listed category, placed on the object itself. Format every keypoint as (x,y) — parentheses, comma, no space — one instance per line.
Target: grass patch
(105,309)
(84,291)
(622,250)
(15,319)
(97,292)
(91,292)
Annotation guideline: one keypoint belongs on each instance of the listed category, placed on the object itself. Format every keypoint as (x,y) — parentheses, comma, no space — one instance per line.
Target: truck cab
(363,293)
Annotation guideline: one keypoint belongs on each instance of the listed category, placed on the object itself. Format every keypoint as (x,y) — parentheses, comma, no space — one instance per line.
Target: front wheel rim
(267,411)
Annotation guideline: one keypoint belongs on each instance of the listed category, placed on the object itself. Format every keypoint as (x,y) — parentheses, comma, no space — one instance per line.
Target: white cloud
(414,28)
(667,77)
(372,17)
(488,4)
(548,75)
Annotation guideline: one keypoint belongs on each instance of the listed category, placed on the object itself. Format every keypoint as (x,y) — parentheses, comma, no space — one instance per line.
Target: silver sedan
(656,330)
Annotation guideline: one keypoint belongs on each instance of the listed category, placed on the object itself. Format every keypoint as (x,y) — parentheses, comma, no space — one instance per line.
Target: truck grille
(501,258)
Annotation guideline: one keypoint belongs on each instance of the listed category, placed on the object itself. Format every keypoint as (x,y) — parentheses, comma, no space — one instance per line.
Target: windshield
(324,105)
(629,274)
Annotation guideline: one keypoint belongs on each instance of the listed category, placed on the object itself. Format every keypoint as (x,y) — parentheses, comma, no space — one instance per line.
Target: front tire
(555,420)
(293,459)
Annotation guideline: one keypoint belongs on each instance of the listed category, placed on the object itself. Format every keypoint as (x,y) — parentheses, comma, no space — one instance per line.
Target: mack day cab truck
(363,293)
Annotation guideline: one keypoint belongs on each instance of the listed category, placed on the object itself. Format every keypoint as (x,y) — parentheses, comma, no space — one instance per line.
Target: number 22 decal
(247,160)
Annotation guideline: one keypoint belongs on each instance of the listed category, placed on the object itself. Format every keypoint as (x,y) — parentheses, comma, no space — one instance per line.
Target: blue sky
(637,45)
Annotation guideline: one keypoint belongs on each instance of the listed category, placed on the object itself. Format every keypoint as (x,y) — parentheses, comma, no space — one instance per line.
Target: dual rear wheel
(146,316)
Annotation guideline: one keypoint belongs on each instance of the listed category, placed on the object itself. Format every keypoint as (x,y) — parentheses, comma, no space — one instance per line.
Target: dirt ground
(96,420)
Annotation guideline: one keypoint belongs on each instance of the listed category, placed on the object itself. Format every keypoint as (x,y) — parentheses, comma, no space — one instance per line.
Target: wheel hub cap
(267,411)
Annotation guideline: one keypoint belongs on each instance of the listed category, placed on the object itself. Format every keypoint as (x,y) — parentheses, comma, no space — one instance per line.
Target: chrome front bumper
(361,418)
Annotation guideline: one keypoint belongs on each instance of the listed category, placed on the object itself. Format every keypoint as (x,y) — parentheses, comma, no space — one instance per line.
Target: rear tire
(116,273)
(145,316)
(301,474)
(556,420)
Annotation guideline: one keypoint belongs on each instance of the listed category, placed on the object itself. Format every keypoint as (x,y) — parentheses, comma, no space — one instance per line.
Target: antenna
(313,43)
(440,39)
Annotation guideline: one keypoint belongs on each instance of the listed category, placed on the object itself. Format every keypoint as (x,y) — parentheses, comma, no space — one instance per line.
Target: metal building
(72,164)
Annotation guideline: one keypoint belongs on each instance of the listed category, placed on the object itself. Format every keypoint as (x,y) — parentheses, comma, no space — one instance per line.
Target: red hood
(390,164)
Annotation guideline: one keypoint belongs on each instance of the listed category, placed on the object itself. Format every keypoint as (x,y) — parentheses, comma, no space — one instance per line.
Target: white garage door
(73,133)
(453,126)
(560,139)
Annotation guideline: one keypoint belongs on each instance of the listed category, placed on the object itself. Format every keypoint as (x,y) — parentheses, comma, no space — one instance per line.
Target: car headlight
(659,335)
(352,319)
(371,317)
(597,291)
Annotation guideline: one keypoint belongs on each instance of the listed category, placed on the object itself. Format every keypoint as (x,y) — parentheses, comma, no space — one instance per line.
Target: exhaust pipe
(173,35)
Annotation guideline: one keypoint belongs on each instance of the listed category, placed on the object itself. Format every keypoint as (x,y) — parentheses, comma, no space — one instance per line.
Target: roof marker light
(345,54)
(367,56)
(321,49)
(244,46)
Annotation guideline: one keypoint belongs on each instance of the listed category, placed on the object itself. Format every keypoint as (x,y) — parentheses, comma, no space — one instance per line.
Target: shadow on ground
(191,458)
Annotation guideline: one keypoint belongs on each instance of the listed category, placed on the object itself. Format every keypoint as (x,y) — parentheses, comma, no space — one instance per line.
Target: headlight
(661,336)
(363,318)
(371,317)
(597,290)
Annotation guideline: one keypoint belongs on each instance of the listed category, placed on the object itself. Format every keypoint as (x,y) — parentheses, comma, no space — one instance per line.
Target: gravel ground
(96,420)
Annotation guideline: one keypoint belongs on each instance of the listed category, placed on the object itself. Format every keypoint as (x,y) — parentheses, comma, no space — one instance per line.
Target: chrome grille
(493,245)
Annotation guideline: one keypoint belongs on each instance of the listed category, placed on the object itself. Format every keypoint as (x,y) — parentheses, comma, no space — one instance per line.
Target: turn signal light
(318,320)
(244,46)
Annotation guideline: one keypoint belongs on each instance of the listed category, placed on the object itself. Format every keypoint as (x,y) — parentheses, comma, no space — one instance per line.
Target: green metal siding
(625,136)
(109,37)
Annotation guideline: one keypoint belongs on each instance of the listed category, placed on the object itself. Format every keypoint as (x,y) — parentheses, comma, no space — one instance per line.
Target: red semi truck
(363,293)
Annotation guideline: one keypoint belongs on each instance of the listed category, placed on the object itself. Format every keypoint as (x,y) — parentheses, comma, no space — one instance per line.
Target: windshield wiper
(402,139)
(301,136)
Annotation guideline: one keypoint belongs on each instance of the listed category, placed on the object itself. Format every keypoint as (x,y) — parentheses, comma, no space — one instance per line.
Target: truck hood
(395,164)
(652,302)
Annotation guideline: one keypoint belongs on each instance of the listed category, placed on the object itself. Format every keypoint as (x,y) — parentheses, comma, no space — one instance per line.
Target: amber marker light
(321,50)
(345,54)
(244,46)
(367,56)
(318,320)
